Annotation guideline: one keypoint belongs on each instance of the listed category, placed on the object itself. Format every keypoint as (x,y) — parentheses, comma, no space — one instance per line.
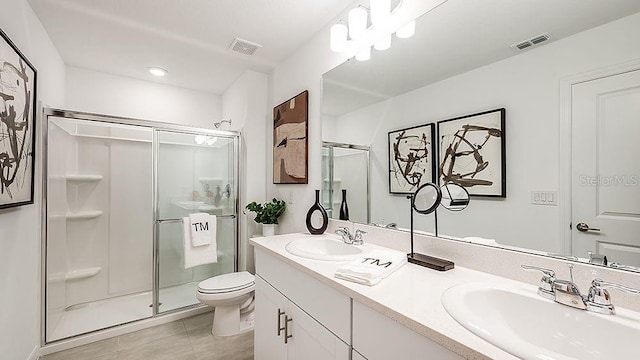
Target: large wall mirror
(572,119)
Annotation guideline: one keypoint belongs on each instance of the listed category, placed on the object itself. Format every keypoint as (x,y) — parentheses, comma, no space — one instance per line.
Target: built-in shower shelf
(83,215)
(83,178)
(82,273)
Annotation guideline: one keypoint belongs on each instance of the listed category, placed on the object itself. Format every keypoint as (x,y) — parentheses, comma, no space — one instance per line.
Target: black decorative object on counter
(344,209)
(325,218)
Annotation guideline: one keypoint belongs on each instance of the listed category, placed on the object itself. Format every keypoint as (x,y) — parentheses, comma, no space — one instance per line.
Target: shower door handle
(280,328)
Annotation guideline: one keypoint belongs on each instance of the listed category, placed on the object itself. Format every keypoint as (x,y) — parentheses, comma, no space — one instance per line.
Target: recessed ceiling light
(158,71)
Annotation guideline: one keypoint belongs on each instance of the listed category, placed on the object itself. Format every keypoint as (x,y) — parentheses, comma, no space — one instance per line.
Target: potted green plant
(267,214)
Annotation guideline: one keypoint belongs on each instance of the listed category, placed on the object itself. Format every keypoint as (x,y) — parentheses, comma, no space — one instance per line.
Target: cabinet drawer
(325,304)
(377,337)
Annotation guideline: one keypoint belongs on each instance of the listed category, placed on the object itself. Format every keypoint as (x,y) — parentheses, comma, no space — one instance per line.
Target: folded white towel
(372,267)
(203,228)
(197,255)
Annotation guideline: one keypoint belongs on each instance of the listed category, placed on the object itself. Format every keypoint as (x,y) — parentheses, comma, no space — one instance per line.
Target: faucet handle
(358,238)
(599,299)
(545,289)
(547,272)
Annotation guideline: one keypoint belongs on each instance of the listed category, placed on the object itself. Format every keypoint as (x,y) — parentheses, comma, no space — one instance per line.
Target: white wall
(527,85)
(20,227)
(102,93)
(303,71)
(245,103)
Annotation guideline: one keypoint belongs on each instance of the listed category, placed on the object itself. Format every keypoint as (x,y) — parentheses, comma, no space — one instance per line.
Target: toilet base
(227,321)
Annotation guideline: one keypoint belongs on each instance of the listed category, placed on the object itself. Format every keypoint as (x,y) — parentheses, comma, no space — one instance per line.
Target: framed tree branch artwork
(411,159)
(17,125)
(472,153)
(290,140)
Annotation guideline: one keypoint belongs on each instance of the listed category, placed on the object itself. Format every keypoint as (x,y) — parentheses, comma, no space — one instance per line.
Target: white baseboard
(35,354)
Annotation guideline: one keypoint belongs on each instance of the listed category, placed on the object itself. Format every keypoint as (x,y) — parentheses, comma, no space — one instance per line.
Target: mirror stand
(432,204)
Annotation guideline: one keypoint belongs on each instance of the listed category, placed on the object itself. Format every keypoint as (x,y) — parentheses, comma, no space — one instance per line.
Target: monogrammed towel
(372,267)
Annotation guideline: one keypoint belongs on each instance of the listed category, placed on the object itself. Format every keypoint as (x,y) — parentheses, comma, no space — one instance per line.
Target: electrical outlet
(290,197)
(544,198)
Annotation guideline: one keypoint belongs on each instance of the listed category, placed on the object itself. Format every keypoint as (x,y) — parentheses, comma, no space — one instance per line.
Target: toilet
(232,297)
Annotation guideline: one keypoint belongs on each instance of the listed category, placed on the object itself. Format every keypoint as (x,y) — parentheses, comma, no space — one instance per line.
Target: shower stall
(115,191)
(346,167)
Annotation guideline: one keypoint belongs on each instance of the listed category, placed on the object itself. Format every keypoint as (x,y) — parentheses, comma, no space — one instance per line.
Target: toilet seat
(226,283)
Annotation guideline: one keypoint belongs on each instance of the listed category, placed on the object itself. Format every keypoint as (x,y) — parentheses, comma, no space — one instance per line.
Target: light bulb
(380,11)
(339,37)
(200,139)
(211,140)
(383,43)
(357,22)
(407,31)
(158,71)
(364,54)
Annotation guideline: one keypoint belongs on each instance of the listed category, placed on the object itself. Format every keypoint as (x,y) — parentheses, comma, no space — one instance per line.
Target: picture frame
(290,140)
(472,153)
(17,125)
(411,158)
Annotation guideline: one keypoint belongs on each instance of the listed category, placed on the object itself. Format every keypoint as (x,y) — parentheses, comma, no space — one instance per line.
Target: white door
(606,168)
(269,313)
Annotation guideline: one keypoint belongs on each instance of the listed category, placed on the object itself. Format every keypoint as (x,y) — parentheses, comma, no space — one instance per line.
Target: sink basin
(323,248)
(528,326)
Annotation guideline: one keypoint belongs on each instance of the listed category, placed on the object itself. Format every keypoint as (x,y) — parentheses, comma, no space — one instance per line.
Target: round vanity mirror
(426,199)
(454,197)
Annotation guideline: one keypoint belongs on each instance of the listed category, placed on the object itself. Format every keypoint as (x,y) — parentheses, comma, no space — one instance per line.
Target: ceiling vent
(531,42)
(244,46)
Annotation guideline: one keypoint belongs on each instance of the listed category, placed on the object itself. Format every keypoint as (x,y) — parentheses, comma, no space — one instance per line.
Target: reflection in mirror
(560,170)
(345,181)
(454,197)
(426,199)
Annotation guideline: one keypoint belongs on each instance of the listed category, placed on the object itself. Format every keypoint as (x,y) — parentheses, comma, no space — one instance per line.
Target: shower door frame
(155,127)
(367,149)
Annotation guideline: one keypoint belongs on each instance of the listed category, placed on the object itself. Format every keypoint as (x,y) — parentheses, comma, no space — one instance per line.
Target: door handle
(287,336)
(584,227)
(280,328)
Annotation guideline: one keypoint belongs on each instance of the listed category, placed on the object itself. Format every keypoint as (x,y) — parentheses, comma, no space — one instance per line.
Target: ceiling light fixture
(407,31)
(355,36)
(157,71)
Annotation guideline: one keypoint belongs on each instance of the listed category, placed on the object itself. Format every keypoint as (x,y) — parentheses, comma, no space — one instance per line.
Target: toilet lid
(227,282)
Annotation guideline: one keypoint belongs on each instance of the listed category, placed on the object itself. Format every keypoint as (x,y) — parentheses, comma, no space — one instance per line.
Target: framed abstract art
(290,145)
(472,153)
(17,125)
(411,158)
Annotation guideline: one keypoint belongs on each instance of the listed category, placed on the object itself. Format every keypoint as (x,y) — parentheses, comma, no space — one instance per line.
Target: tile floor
(186,339)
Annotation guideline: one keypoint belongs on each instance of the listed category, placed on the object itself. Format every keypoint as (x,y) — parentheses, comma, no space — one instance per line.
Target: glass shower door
(195,173)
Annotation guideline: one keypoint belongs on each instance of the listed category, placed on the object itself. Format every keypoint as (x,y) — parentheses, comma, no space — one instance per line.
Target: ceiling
(189,38)
(459,36)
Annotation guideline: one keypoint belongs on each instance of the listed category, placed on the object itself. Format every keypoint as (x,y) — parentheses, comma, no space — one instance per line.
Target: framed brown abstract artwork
(17,125)
(290,145)
(472,153)
(411,159)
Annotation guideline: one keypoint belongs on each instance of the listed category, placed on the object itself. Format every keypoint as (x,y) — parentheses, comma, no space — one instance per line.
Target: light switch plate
(544,198)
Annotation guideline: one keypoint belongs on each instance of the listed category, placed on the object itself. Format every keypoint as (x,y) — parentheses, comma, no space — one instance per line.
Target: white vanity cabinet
(315,333)
(376,337)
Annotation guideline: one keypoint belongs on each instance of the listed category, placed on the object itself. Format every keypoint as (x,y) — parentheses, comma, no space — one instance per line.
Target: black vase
(344,209)
(325,218)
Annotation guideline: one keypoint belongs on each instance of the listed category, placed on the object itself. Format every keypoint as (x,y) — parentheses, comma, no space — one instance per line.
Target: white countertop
(410,296)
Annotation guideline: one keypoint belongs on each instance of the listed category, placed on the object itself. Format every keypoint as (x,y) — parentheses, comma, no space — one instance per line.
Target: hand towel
(197,255)
(372,267)
(203,228)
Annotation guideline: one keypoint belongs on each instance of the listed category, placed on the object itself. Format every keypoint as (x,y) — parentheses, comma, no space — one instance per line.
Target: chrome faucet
(567,293)
(347,238)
